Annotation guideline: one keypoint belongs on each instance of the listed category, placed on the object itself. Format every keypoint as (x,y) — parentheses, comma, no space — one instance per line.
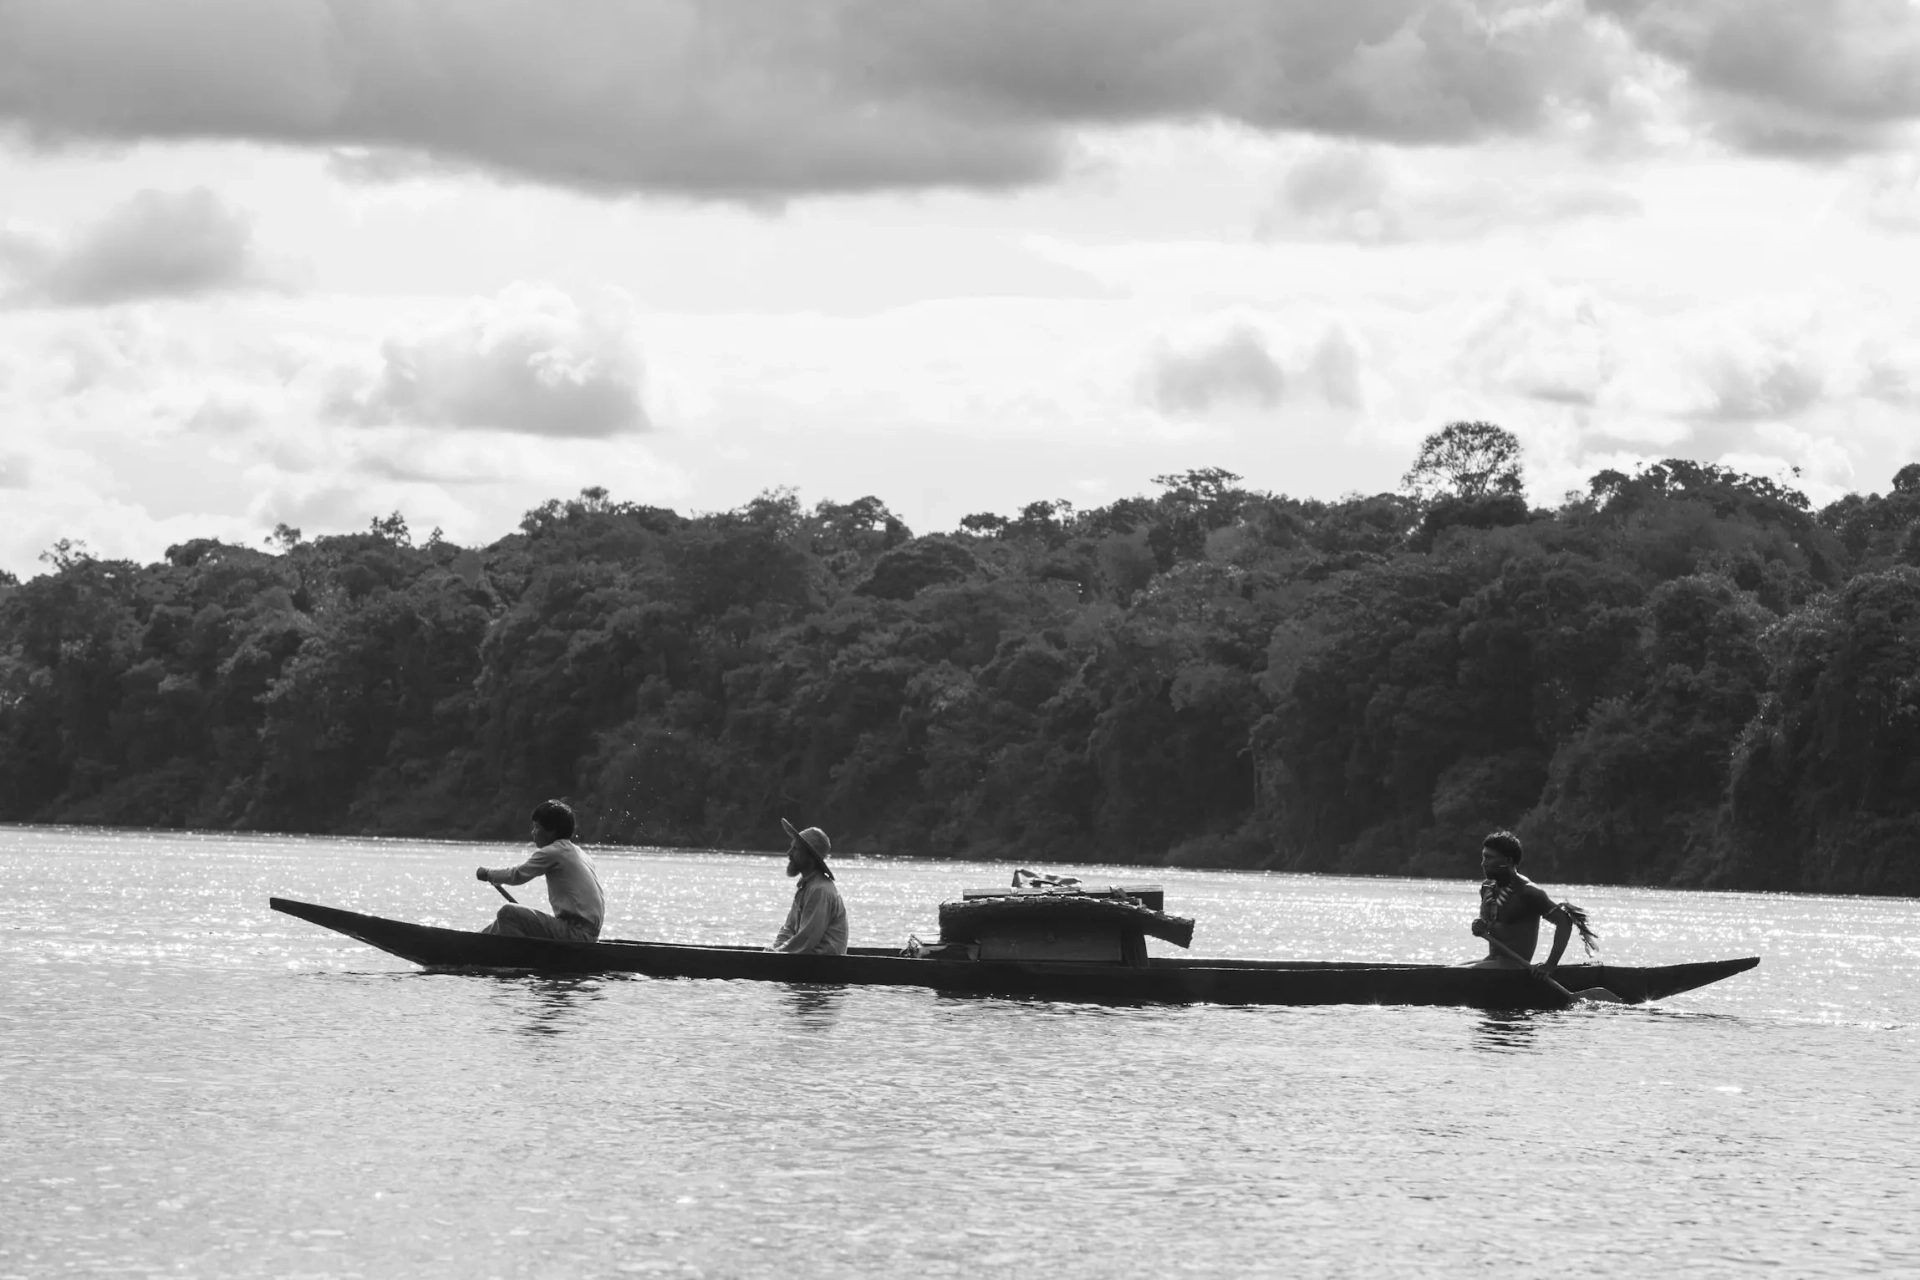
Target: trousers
(516,921)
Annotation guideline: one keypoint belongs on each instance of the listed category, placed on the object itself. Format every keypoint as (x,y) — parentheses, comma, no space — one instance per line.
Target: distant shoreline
(1685,677)
(773,855)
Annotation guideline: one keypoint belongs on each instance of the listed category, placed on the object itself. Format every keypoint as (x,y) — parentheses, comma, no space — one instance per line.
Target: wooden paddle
(1599,995)
(503,893)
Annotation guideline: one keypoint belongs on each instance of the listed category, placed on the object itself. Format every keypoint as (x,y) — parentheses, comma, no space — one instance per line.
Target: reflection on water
(1669,1012)
(814,1006)
(550,1006)
(1506,1032)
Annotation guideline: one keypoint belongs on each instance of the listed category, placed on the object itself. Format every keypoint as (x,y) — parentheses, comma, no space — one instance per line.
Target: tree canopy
(1468,461)
(1686,675)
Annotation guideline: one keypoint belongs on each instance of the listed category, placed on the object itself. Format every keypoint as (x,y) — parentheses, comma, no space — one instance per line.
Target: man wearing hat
(817,921)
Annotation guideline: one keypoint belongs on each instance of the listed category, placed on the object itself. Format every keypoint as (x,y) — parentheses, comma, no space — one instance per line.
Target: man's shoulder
(563,851)
(1528,889)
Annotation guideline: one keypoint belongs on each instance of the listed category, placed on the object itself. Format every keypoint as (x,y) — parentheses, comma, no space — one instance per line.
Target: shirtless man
(573,886)
(1512,907)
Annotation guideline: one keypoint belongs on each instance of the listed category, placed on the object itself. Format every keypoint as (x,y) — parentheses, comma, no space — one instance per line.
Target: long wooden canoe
(1161,980)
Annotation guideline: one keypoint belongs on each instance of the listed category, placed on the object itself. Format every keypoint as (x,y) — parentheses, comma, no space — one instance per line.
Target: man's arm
(810,927)
(1562,930)
(542,861)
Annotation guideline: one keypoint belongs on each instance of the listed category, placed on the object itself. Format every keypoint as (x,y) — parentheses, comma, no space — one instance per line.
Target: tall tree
(1468,460)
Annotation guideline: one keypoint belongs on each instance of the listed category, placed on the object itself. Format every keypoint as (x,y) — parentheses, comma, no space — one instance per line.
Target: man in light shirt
(573,886)
(817,921)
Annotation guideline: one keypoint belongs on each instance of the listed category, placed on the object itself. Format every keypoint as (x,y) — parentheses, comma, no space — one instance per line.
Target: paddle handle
(1511,954)
(503,893)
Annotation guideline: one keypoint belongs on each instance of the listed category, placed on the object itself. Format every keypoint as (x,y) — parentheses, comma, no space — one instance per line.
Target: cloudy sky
(313,261)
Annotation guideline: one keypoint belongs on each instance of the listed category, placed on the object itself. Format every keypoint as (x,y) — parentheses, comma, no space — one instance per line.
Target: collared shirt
(573,886)
(817,921)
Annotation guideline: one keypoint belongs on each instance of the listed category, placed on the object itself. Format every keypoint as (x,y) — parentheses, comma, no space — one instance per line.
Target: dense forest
(1681,676)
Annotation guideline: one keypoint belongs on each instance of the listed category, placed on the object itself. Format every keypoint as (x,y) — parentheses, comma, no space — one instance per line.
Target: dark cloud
(1777,387)
(531,363)
(409,471)
(1797,77)
(1335,368)
(1238,368)
(1892,381)
(156,245)
(1343,192)
(746,99)
(1553,393)
(757,101)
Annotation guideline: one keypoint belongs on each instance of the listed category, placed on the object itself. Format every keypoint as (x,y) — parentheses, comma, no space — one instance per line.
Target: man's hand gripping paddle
(1599,995)
(480,873)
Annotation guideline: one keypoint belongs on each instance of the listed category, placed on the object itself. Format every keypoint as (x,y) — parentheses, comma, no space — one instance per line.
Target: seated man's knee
(513,918)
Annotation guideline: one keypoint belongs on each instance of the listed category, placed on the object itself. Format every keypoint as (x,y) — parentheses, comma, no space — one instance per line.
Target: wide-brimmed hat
(813,837)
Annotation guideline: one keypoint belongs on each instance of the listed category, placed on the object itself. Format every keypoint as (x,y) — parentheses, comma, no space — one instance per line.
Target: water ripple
(203,1087)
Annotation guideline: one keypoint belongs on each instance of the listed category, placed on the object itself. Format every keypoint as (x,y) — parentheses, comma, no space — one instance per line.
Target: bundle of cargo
(1058,918)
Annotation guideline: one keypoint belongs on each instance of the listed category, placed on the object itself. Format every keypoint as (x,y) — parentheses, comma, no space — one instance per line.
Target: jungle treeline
(1683,676)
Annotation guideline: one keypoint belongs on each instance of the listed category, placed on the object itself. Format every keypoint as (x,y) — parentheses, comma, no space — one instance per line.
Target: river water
(197,1086)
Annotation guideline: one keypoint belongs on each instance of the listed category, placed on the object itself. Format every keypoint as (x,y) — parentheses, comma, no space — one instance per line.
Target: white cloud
(209,423)
(1759,386)
(532,360)
(1887,193)
(1746,313)
(1348,192)
(16,470)
(1544,343)
(70,491)
(155,245)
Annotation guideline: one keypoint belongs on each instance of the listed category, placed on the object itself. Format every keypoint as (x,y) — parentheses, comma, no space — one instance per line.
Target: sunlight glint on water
(203,1087)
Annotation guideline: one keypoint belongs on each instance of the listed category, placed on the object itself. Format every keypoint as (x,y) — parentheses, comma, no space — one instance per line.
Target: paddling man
(1512,907)
(817,921)
(573,886)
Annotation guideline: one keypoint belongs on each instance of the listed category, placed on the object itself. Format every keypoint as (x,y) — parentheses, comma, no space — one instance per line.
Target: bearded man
(817,920)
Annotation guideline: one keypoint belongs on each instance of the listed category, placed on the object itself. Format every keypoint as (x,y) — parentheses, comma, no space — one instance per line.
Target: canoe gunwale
(1165,980)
